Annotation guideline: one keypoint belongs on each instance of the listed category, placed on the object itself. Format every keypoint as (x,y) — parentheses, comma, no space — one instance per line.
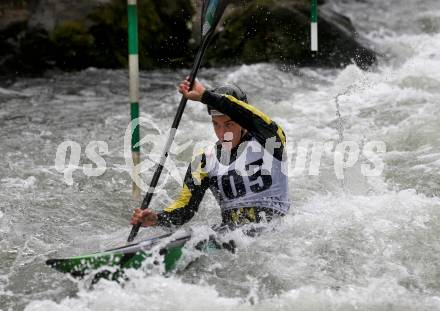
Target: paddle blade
(212,11)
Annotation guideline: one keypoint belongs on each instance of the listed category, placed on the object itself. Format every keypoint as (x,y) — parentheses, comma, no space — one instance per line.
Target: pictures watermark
(297,158)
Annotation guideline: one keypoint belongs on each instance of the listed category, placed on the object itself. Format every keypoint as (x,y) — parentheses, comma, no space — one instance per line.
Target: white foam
(19,183)
(154,292)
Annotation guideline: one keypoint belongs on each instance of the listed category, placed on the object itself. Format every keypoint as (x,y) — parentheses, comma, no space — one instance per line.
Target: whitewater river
(352,243)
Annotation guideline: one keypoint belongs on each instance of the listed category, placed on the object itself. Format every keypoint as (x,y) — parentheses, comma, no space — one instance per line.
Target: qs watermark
(299,158)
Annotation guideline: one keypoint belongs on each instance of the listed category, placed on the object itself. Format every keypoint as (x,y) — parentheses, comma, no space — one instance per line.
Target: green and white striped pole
(314,25)
(133,66)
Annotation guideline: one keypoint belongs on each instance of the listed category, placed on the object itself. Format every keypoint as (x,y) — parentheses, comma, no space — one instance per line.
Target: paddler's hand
(196,92)
(147,217)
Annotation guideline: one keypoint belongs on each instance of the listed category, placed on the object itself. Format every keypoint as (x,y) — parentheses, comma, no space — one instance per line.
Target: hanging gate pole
(133,60)
(314,25)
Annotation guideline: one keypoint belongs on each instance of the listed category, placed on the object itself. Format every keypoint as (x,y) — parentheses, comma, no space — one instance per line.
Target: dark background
(37,35)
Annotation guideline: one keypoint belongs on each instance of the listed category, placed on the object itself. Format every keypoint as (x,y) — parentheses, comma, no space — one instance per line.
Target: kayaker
(245,170)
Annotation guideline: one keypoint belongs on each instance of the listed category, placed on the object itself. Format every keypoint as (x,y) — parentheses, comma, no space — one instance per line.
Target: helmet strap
(243,132)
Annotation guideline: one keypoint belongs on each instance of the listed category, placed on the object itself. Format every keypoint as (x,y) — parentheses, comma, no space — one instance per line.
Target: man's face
(228,132)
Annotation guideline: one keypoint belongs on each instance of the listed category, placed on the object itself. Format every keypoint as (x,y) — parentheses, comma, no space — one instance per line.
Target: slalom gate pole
(133,61)
(314,25)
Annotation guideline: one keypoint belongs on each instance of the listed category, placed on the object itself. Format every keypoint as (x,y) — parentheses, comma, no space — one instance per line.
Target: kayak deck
(110,264)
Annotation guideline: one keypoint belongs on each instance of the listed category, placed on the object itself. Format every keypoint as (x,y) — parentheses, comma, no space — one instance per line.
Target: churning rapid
(356,243)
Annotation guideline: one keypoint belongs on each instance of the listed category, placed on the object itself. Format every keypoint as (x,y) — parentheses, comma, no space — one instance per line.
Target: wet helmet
(229,89)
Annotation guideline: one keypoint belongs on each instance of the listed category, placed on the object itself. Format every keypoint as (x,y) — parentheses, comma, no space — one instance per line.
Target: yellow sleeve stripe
(199,175)
(281,135)
(251,108)
(198,153)
(183,200)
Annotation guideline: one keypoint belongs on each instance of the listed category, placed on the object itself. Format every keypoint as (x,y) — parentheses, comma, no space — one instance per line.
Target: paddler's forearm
(179,213)
(164,219)
(168,219)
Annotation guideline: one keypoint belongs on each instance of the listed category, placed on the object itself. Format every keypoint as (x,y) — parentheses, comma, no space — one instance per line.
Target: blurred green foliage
(163,29)
(101,38)
(24,50)
(278,31)
(262,31)
(74,45)
(252,31)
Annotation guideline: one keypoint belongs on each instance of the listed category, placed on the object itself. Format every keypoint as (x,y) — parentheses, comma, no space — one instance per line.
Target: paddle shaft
(172,134)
